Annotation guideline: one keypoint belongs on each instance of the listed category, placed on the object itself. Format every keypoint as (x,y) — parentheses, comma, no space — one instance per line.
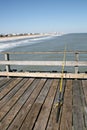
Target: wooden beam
(44,75)
(45,63)
(44,52)
(7,59)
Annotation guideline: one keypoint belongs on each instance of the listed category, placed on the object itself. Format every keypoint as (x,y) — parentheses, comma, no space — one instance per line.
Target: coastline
(22,37)
(16,41)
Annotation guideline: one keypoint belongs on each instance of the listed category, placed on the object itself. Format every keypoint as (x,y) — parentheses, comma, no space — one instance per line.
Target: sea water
(73,42)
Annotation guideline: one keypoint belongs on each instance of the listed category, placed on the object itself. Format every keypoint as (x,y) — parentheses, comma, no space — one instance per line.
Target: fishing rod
(60,98)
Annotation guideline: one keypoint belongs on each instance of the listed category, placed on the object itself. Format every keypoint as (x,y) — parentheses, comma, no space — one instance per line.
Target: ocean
(73,42)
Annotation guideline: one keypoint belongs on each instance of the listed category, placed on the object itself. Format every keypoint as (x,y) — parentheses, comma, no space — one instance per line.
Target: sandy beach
(21,37)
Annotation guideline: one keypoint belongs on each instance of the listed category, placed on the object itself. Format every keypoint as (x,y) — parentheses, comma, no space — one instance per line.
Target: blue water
(73,42)
(11,45)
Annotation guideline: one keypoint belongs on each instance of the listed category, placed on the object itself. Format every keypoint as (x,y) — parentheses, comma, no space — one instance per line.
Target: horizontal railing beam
(45,63)
(45,75)
(49,52)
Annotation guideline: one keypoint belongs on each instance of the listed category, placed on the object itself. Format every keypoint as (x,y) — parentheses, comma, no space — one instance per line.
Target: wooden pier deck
(30,104)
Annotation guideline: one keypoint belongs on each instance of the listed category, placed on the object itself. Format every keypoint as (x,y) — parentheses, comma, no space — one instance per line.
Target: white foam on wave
(5,46)
(8,45)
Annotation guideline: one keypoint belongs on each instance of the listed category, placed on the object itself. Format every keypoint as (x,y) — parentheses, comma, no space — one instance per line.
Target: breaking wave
(5,45)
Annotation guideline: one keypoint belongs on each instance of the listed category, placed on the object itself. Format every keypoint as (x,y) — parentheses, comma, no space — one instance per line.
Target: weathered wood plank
(78,120)
(44,91)
(45,52)
(9,87)
(84,83)
(14,99)
(53,124)
(66,118)
(9,95)
(16,108)
(4,82)
(43,118)
(16,124)
(44,75)
(45,63)
(32,115)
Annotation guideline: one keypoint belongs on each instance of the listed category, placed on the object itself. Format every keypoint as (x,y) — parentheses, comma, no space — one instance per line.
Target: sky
(43,16)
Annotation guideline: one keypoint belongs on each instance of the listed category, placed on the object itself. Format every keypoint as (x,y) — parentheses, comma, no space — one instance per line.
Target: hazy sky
(20,16)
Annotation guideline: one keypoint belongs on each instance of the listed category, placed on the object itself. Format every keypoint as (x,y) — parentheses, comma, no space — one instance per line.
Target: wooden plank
(16,124)
(45,75)
(44,91)
(3,83)
(46,52)
(7,59)
(33,114)
(78,120)
(45,63)
(6,121)
(84,83)
(12,93)
(52,124)
(43,117)
(4,110)
(66,118)
(9,87)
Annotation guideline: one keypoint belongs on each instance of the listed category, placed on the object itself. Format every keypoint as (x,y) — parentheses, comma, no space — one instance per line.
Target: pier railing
(76,63)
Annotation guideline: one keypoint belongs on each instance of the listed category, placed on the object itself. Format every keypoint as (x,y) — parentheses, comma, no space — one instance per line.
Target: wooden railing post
(76,59)
(7,59)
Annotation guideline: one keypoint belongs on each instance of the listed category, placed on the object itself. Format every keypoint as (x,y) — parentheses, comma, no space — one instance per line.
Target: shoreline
(2,39)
